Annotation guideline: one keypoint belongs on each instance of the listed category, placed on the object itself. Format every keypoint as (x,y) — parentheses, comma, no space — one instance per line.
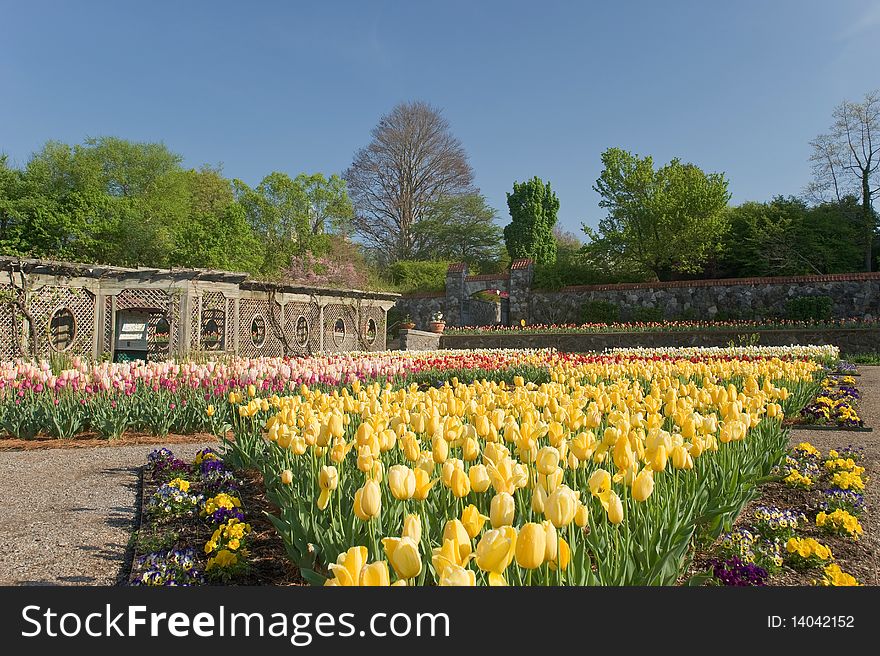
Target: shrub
(809,308)
(647,314)
(419,276)
(599,312)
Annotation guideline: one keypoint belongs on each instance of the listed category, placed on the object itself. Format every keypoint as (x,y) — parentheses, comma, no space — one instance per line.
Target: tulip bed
(543,469)
(188,397)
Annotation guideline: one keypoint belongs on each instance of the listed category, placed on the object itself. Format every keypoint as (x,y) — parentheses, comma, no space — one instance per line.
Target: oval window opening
(162,333)
(302,331)
(258,331)
(62,329)
(338,332)
(370,331)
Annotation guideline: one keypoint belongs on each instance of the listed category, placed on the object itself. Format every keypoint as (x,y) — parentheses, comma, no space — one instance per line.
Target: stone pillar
(455,293)
(520,287)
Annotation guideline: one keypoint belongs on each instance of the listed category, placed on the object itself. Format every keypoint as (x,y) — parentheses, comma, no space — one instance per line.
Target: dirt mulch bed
(91,440)
(268,563)
(858,558)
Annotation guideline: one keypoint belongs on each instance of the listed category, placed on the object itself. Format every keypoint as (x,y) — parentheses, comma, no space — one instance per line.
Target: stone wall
(850,341)
(418,340)
(854,295)
(421,306)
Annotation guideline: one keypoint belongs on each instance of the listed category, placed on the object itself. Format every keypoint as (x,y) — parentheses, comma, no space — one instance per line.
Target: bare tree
(846,161)
(411,162)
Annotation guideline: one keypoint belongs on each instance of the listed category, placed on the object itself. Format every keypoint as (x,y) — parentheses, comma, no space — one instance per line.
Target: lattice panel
(45,302)
(345,317)
(302,324)
(372,334)
(195,323)
(158,349)
(9,325)
(107,347)
(159,302)
(249,309)
(215,307)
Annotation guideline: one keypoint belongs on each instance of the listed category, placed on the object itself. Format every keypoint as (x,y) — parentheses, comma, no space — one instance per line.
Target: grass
(865,358)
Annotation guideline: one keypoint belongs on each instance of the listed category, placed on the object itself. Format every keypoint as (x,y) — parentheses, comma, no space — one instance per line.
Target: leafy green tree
(787,237)
(460,228)
(533,207)
(418,276)
(659,221)
(329,207)
(277,211)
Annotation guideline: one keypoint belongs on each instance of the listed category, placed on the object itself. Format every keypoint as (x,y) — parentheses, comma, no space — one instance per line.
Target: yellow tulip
(582,516)
(473,520)
(470,449)
(287,477)
(547,461)
(455,532)
(439,449)
(403,554)
(363,434)
(479,478)
(615,508)
(539,499)
(681,459)
(460,484)
(335,425)
(402,482)
(622,454)
(583,445)
(531,543)
(368,501)
(599,482)
(348,566)
(643,485)
(375,574)
(412,527)
(501,510)
(551,541)
(411,449)
(563,557)
(561,506)
(495,551)
(456,575)
(423,484)
(658,458)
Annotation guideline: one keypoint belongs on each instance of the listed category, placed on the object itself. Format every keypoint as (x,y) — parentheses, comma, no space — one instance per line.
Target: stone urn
(437,326)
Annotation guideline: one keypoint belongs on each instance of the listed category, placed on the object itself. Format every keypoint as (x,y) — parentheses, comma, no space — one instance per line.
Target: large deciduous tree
(533,207)
(459,229)
(412,161)
(660,221)
(846,161)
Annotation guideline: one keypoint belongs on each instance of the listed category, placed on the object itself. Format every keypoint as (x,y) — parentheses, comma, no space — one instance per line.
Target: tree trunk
(868,215)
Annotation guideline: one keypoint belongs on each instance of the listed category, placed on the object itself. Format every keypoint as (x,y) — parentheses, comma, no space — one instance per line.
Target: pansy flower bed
(195,530)
(835,405)
(809,536)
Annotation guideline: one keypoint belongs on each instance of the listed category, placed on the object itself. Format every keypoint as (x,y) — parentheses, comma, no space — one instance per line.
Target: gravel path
(68,513)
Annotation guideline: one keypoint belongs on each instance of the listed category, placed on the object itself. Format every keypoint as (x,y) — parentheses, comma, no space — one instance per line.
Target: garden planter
(407,326)
(437,326)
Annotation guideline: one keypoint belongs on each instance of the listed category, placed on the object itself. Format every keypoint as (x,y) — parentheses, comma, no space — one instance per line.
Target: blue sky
(530,88)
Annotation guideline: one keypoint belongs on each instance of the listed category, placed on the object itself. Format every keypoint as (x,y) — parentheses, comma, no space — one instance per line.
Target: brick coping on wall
(713,331)
(488,276)
(424,295)
(720,282)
